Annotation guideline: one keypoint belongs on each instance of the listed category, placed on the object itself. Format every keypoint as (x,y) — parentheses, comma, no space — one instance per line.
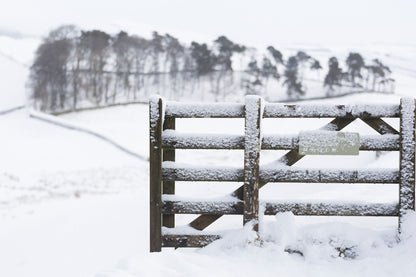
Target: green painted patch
(328,143)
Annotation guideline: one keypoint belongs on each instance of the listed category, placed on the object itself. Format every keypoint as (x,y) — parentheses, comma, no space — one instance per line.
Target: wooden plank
(177,241)
(277,110)
(380,126)
(367,142)
(252,147)
(285,174)
(202,207)
(352,176)
(407,157)
(170,172)
(200,110)
(168,220)
(203,221)
(272,208)
(386,142)
(174,140)
(333,209)
(155,152)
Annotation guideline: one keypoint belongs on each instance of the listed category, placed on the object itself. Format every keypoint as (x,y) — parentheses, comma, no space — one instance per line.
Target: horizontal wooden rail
(176,140)
(171,172)
(301,175)
(276,110)
(244,201)
(196,110)
(333,209)
(177,241)
(201,207)
(272,208)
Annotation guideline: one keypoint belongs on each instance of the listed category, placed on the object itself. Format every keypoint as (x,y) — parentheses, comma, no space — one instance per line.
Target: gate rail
(164,171)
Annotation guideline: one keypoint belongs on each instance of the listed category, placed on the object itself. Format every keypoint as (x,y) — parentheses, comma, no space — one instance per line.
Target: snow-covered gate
(164,140)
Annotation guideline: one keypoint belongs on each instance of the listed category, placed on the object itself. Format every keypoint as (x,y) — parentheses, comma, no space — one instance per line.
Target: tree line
(75,68)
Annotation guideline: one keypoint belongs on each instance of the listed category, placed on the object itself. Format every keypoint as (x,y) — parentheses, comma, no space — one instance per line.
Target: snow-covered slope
(15,59)
(49,176)
(57,222)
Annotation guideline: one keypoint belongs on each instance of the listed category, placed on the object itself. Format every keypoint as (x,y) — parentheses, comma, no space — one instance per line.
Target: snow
(65,124)
(175,139)
(177,109)
(180,140)
(308,110)
(72,237)
(326,249)
(107,235)
(407,155)
(15,59)
(74,205)
(172,171)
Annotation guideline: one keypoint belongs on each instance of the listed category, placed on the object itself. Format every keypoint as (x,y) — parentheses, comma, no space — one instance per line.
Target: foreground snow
(72,237)
(106,236)
(80,207)
(330,249)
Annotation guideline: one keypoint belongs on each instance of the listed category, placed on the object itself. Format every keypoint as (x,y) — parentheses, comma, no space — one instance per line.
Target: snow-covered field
(72,204)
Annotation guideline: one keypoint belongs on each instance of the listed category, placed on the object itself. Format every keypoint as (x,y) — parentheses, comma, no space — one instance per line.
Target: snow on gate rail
(164,171)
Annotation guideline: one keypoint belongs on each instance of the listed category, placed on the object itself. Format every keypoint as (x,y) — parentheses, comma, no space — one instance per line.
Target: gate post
(407,157)
(252,146)
(155,155)
(168,220)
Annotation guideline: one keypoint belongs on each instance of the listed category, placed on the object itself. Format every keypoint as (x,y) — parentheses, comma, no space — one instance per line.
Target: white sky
(256,23)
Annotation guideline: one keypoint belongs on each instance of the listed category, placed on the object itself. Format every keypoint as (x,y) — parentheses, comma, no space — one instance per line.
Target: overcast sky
(256,23)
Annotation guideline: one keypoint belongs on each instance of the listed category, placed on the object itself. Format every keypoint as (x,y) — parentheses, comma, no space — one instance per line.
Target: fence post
(155,154)
(252,146)
(407,157)
(168,220)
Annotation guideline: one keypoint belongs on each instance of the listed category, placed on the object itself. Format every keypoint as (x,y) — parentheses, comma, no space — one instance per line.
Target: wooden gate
(163,171)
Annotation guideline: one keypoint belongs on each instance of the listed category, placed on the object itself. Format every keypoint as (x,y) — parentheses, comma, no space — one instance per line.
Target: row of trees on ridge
(75,68)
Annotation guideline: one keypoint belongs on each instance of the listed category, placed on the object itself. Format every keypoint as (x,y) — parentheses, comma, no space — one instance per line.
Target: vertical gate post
(155,154)
(168,220)
(252,146)
(407,157)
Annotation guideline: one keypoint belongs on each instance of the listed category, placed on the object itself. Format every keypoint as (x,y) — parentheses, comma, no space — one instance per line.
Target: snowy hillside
(72,204)
(15,58)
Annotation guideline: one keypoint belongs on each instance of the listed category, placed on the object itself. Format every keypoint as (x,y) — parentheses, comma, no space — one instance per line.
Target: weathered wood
(198,110)
(407,157)
(252,147)
(177,241)
(352,176)
(168,220)
(155,153)
(333,209)
(284,174)
(174,140)
(380,126)
(193,173)
(202,207)
(203,221)
(275,110)
(272,208)
(344,115)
